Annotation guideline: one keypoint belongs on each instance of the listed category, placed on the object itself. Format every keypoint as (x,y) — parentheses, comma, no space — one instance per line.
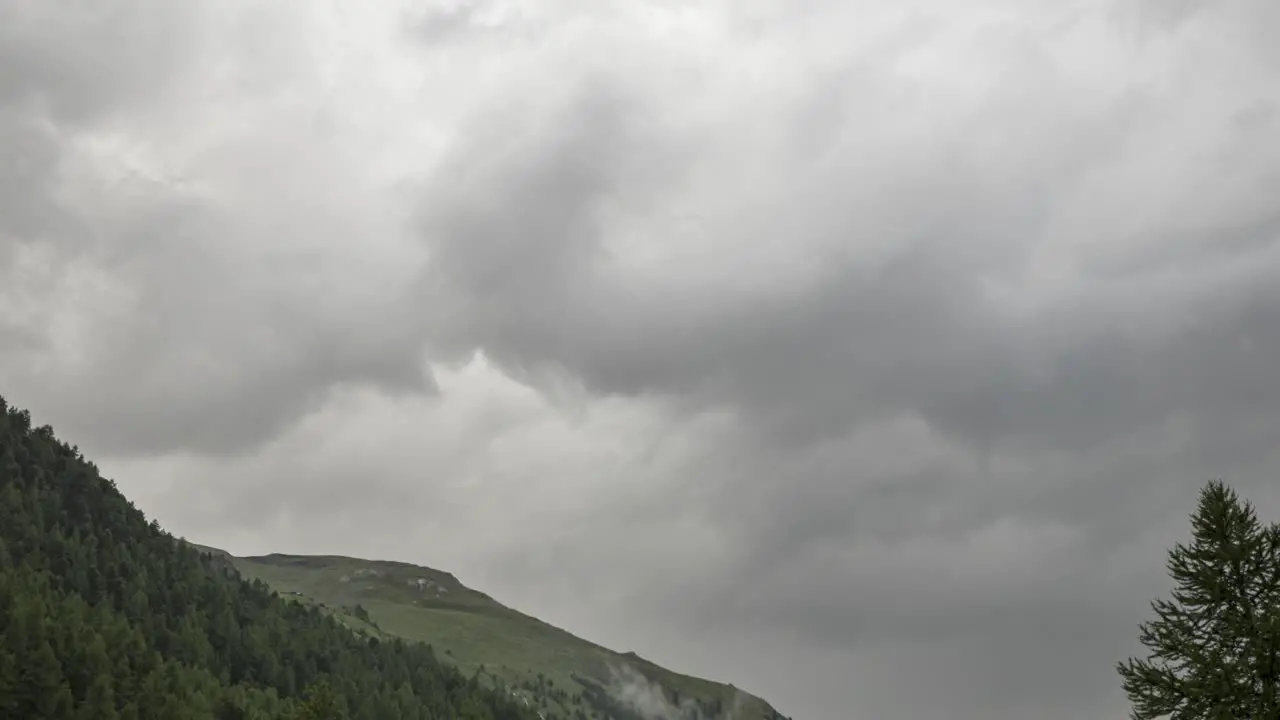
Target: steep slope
(104,616)
(555,672)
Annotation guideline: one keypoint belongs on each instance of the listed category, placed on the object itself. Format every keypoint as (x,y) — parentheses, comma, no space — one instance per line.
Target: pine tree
(100,703)
(9,682)
(1215,648)
(321,704)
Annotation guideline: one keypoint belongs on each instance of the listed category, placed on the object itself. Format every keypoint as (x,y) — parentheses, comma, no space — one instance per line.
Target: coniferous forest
(105,616)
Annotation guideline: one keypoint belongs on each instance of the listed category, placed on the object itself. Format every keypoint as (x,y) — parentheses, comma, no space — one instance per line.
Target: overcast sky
(865,354)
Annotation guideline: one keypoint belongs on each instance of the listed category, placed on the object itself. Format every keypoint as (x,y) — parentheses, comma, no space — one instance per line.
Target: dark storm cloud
(917,331)
(880,354)
(1151,374)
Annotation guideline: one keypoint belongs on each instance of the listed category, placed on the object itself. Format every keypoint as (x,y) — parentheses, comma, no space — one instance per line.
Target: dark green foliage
(361,613)
(1215,648)
(321,704)
(103,616)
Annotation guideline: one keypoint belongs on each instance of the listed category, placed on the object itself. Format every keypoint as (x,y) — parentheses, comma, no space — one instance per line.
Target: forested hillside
(105,616)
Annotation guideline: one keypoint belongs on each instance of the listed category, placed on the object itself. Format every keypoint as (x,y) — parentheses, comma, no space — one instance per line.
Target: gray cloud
(77,62)
(205,315)
(866,359)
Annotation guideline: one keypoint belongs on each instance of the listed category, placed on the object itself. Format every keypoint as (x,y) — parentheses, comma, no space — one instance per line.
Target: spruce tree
(1214,649)
(321,704)
(9,683)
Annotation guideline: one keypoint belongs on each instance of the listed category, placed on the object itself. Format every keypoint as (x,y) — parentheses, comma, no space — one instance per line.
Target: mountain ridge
(104,615)
(485,638)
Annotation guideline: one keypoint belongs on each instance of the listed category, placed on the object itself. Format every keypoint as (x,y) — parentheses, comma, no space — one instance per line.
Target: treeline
(104,616)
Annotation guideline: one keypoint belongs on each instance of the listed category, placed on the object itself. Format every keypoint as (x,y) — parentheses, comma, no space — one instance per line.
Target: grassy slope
(475,631)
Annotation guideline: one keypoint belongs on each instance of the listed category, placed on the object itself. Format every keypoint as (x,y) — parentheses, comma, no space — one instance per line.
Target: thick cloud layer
(867,355)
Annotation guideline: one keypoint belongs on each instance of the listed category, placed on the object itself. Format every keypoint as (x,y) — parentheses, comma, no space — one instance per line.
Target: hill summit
(544,667)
